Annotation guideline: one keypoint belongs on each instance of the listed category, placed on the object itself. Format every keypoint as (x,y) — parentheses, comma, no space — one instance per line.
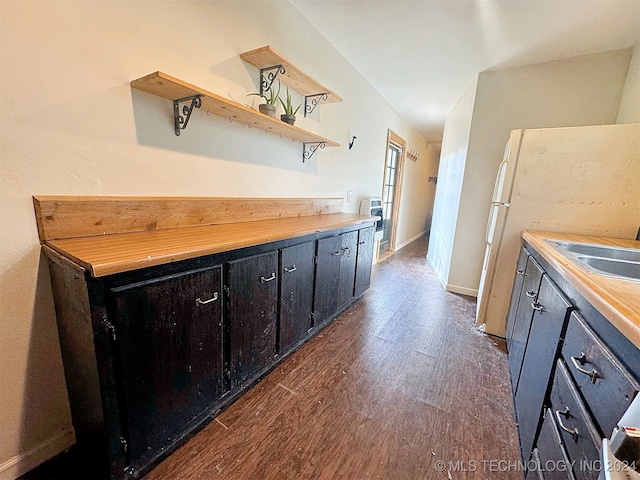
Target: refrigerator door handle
(501,204)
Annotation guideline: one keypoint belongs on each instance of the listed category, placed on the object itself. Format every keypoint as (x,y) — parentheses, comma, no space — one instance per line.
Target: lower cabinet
(550,312)
(569,389)
(549,458)
(521,318)
(364,259)
(347,275)
(252,291)
(150,355)
(296,293)
(328,253)
(577,431)
(167,335)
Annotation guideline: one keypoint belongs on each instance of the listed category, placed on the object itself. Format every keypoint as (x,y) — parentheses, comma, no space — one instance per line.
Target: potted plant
(269,107)
(289,115)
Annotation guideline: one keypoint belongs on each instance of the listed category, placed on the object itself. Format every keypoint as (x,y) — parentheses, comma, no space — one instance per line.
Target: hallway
(401,386)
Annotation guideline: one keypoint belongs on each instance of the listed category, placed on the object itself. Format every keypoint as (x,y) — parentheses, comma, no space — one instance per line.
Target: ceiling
(421,55)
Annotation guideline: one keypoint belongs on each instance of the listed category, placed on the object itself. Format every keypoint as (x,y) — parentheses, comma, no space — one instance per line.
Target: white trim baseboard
(461,290)
(407,242)
(25,461)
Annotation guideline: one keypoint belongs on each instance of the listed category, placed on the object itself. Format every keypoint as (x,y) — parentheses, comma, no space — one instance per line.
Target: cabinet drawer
(576,429)
(606,387)
(552,458)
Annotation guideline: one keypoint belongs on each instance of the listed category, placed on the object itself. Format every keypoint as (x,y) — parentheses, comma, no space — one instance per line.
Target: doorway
(391,190)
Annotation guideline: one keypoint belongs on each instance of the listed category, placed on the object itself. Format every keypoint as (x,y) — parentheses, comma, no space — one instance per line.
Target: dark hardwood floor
(401,386)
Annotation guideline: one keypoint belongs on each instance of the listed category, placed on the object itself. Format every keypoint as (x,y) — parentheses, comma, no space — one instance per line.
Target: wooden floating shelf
(266,57)
(169,87)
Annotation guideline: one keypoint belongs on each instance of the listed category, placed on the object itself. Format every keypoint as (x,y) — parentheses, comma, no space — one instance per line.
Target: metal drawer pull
(204,302)
(336,254)
(520,272)
(572,431)
(530,294)
(362,243)
(289,270)
(537,307)
(264,279)
(581,360)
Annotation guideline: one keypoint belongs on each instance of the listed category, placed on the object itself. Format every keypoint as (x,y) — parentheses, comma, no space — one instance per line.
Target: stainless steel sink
(618,268)
(611,261)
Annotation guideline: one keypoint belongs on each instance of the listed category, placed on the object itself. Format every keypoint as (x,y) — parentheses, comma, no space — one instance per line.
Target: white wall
(583,90)
(453,157)
(630,104)
(72,125)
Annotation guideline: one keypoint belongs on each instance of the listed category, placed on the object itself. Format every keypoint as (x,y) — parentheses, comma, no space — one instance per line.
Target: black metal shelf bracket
(309,148)
(268,75)
(312,101)
(181,120)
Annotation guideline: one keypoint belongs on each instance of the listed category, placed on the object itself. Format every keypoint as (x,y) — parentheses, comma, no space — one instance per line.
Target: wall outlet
(349,196)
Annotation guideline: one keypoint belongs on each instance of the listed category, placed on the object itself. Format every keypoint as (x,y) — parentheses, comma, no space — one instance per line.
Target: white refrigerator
(581,180)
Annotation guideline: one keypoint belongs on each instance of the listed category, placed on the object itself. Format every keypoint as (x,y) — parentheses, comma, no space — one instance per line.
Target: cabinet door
(551,311)
(296,293)
(524,313)
(169,339)
(364,260)
(328,253)
(347,268)
(252,289)
(521,265)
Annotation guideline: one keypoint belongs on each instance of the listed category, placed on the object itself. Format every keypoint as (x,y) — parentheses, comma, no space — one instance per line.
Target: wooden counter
(617,299)
(108,254)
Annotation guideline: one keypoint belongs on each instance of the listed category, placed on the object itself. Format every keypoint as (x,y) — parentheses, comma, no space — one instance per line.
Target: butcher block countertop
(116,253)
(617,299)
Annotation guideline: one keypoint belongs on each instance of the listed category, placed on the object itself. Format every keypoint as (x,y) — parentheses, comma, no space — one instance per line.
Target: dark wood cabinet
(328,254)
(570,387)
(297,270)
(522,320)
(167,333)
(347,274)
(152,354)
(550,314)
(521,266)
(364,260)
(252,292)
(550,456)
(576,429)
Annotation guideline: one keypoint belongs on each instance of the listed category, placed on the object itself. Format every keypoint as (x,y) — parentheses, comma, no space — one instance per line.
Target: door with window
(392,185)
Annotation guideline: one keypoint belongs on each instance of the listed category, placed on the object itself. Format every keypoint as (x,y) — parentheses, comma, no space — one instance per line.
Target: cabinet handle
(537,307)
(265,279)
(530,294)
(581,360)
(520,272)
(362,243)
(572,431)
(346,249)
(289,270)
(204,302)
(337,254)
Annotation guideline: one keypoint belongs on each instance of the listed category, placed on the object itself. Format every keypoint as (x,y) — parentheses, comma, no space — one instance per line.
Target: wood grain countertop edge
(86,252)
